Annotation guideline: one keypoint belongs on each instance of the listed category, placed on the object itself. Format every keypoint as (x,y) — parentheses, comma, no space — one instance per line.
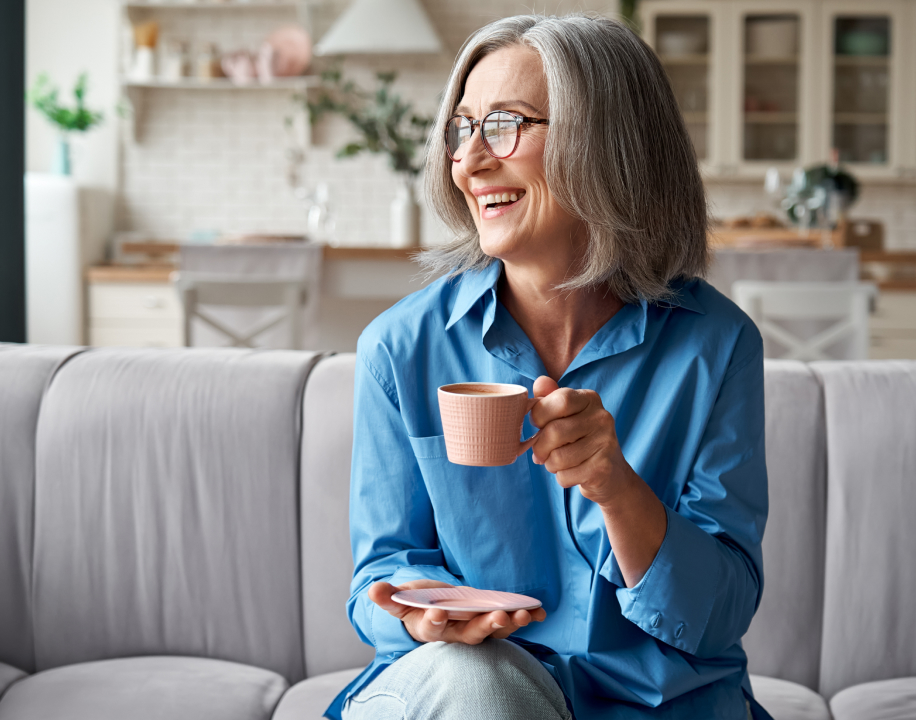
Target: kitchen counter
(136,304)
(159,272)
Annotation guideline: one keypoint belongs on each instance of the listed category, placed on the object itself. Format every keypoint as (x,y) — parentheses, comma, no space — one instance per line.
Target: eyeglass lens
(499,133)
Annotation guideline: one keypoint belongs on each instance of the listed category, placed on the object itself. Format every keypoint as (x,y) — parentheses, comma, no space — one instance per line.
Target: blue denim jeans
(442,681)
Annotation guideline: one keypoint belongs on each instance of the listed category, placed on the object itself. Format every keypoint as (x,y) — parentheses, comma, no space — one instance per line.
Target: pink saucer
(463,603)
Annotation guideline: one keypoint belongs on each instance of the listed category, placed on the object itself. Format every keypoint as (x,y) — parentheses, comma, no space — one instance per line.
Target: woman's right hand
(434,625)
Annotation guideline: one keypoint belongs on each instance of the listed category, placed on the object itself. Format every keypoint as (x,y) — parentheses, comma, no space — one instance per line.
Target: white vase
(405,216)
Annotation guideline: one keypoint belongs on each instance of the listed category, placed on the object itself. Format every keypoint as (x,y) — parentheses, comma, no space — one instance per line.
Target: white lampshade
(381,26)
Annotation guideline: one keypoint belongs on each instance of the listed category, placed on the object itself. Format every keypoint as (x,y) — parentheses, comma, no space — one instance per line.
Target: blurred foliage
(628,10)
(43,96)
(386,123)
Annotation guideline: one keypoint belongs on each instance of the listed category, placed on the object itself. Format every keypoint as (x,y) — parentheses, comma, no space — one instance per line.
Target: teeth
(497,198)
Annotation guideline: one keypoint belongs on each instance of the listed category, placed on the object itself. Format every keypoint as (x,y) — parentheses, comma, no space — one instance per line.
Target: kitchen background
(197,163)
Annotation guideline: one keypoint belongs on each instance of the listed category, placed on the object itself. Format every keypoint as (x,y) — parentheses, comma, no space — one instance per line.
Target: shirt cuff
(674,599)
(390,637)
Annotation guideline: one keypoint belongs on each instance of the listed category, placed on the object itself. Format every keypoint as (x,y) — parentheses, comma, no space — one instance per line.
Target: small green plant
(386,123)
(43,96)
(629,12)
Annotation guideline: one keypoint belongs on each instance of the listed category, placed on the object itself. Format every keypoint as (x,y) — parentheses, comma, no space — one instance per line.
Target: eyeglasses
(500,133)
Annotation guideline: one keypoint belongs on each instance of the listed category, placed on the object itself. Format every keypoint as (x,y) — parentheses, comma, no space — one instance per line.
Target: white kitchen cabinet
(134,314)
(892,327)
(771,89)
(689,38)
(863,89)
(765,83)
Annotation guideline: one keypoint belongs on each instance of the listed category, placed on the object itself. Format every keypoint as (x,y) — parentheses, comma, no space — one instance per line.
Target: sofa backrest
(870,578)
(327,565)
(784,640)
(24,372)
(166,518)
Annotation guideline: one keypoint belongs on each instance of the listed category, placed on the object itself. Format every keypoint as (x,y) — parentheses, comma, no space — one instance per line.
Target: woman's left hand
(577,442)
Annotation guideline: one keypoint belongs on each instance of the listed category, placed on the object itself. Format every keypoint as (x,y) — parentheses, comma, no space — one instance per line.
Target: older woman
(565,169)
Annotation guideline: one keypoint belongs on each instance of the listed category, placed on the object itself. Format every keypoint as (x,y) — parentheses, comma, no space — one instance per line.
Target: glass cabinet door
(861,88)
(772,80)
(683,46)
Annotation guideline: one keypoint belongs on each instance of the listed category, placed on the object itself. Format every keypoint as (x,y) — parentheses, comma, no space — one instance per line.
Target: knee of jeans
(496,661)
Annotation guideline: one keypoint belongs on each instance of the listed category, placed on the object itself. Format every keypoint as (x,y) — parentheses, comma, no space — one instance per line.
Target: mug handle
(525,445)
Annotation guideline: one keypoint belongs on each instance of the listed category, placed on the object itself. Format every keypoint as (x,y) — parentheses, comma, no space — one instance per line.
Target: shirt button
(657,620)
(679,631)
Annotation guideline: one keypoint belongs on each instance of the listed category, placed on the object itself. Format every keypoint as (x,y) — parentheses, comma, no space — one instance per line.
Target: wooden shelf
(888,256)
(861,60)
(859,118)
(771,118)
(775,61)
(288,84)
(684,59)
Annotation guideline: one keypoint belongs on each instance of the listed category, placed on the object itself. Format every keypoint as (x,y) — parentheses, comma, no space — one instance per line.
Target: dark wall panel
(12,167)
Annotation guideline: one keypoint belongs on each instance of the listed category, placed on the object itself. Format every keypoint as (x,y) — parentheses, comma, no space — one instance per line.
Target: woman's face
(534,228)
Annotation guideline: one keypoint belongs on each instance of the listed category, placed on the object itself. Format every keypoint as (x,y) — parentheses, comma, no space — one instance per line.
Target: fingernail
(497,626)
(437,623)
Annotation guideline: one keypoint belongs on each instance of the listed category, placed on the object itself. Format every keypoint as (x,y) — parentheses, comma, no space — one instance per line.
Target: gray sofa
(173,536)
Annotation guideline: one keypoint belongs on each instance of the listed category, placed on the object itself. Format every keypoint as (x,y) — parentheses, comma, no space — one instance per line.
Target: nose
(476,158)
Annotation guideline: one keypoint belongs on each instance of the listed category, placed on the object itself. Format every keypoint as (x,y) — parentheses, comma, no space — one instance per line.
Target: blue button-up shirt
(684,382)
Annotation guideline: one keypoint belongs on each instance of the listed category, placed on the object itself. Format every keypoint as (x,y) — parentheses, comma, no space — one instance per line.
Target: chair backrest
(784,640)
(843,307)
(166,519)
(870,575)
(289,296)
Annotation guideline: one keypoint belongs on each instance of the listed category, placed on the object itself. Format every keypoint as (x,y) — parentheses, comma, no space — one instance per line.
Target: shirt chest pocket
(487,519)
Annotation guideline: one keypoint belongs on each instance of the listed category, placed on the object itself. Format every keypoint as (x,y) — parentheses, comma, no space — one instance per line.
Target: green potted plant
(43,96)
(387,125)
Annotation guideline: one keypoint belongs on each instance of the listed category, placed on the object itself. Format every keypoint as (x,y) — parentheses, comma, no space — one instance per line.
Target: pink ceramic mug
(483,422)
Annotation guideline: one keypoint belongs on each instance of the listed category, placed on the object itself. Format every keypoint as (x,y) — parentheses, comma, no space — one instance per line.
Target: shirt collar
(473,285)
(684,297)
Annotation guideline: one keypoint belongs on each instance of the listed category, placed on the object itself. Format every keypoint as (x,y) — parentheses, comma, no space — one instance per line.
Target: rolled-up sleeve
(701,591)
(392,530)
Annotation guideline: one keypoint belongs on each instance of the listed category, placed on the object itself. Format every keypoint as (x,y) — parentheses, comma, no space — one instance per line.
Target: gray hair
(618,157)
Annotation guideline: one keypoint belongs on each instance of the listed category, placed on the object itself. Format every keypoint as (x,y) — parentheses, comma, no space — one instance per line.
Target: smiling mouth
(499,200)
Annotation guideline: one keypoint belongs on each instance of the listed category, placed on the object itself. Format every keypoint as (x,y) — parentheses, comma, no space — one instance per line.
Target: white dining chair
(834,313)
(200,291)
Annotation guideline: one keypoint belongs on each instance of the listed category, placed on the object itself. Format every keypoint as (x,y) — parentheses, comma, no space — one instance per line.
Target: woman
(565,169)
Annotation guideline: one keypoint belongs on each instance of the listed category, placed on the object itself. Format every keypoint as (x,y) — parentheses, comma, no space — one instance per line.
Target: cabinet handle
(151,302)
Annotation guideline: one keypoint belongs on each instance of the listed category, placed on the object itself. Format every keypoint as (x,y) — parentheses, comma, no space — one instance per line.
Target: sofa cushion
(331,642)
(24,373)
(786,700)
(8,675)
(166,518)
(881,700)
(870,576)
(784,639)
(309,699)
(148,688)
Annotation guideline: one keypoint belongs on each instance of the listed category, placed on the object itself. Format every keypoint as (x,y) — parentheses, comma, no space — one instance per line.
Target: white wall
(63,39)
